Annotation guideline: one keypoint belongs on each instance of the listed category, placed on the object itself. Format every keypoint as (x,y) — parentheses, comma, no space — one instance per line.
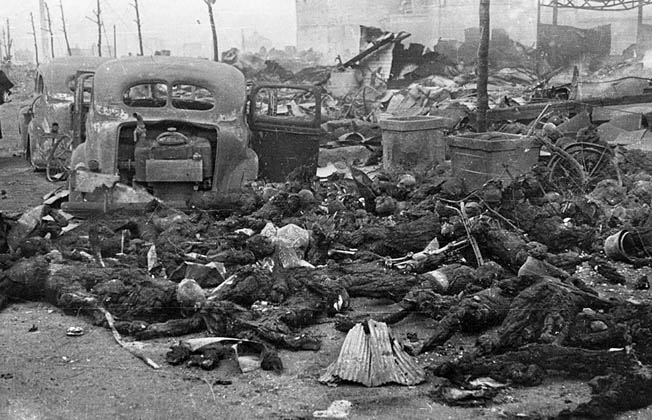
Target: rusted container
(411,141)
(480,157)
(619,246)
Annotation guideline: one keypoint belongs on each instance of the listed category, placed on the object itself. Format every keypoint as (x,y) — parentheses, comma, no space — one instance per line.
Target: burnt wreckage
(523,261)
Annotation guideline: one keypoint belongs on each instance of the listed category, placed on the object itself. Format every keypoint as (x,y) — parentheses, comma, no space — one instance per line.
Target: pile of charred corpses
(522,265)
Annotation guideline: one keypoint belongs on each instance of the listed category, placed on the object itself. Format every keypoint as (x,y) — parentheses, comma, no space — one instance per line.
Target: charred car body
(51,106)
(172,125)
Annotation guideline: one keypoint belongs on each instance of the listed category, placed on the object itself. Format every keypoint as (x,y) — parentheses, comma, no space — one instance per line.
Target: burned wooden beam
(531,111)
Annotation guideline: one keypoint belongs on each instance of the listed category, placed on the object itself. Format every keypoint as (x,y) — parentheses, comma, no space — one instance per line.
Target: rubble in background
(418,81)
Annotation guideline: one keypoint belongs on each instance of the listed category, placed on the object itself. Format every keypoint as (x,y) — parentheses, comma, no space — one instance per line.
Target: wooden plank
(624,100)
(531,111)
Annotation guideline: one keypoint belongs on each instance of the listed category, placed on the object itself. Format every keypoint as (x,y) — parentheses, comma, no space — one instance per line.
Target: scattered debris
(131,347)
(75,331)
(535,236)
(208,353)
(337,410)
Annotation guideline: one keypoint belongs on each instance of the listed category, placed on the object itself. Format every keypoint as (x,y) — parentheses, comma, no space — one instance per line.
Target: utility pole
(47,15)
(108,43)
(98,21)
(210,4)
(8,42)
(140,35)
(639,22)
(65,32)
(483,66)
(45,42)
(115,48)
(31,17)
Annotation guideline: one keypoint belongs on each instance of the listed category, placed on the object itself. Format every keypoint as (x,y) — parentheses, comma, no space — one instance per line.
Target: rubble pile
(436,81)
(278,66)
(522,264)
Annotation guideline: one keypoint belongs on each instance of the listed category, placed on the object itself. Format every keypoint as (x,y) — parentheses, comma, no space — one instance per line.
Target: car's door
(81,105)
(285,121)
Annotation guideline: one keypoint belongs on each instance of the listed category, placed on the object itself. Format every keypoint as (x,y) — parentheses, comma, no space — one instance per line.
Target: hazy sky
(166,23)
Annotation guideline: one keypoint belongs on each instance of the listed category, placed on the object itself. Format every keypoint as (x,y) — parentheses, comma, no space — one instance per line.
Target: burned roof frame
(610,5)
(222,80)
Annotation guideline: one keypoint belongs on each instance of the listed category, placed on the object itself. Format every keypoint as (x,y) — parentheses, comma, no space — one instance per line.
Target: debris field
(521,265)
(544,257)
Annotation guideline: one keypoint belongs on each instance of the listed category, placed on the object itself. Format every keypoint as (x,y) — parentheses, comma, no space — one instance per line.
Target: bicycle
(578,166)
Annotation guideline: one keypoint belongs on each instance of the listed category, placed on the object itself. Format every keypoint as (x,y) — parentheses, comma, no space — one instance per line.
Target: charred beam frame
(611,5)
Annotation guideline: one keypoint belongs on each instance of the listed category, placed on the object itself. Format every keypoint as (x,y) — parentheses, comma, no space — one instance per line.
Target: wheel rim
(59,161)
(595,159)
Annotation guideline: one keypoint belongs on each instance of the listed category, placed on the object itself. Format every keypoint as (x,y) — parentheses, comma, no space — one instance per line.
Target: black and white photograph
(326,209)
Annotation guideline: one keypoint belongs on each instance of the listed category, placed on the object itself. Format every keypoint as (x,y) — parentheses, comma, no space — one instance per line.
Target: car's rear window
(147,95)
(188,96)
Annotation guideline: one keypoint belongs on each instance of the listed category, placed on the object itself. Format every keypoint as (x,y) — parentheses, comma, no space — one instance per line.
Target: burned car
(49,114)
(170,125)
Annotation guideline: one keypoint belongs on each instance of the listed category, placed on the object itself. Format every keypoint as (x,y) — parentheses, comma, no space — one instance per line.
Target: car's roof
(58,71)
(113,77)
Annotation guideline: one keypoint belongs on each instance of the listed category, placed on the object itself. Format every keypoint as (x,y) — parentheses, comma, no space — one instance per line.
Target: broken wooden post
(210,4)
(65,32)
(140,36)
(483,66)
(99,29)
(49,28)
(98,21)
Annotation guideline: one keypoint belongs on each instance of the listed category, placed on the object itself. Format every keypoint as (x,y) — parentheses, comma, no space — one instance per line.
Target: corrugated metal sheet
(373,359)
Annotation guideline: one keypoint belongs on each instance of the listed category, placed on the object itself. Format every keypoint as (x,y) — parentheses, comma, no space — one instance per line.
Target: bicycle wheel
(596,162)
(58,163)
